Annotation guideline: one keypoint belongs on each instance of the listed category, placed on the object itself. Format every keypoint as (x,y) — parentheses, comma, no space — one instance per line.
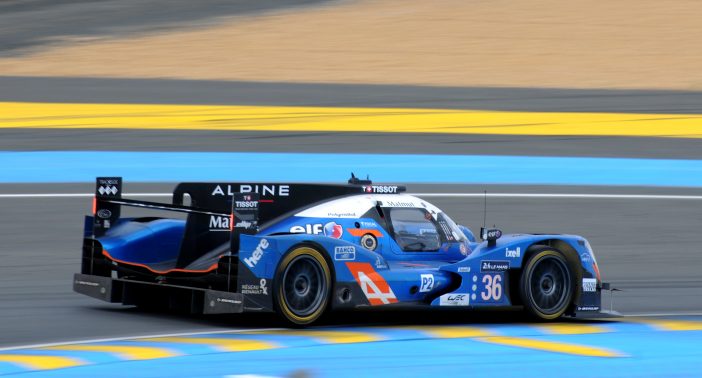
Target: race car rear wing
(214,218)
(241,217)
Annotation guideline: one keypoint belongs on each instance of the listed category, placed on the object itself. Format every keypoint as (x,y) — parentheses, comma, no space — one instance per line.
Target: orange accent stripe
(363,231)
(597,271)
(211,268)
(94,205)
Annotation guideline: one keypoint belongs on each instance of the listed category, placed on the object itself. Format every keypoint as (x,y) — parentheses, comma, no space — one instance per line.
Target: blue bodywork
(461,273)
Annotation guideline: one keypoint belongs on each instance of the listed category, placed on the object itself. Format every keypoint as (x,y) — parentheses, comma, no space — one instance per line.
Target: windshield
(451,228)
(414,229)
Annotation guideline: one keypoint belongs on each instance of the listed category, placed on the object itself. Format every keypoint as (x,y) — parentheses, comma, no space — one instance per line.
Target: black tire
(547,284)
(303,285)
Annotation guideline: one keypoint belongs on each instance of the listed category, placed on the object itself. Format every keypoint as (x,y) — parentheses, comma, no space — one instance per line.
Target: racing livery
(302,250)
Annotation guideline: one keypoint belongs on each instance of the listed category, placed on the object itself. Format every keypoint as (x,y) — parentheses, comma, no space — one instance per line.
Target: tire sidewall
(525,290)
(279,300)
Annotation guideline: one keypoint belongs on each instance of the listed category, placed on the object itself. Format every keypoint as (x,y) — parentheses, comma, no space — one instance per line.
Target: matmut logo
(373,284)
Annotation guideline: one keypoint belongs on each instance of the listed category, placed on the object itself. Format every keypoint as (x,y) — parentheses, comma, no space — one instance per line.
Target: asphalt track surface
(76,90)
(649,248)
(29,24)
(646,247)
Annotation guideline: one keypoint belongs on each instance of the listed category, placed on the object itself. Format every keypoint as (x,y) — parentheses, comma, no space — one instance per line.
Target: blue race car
(301,250)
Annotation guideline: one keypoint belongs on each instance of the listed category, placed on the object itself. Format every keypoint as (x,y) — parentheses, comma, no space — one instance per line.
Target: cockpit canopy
(416,225)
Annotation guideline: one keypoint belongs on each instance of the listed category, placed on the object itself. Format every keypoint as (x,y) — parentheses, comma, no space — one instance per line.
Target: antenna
(485,209)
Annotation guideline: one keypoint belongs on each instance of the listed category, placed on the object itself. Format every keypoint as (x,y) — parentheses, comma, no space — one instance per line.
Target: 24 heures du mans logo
(493,266)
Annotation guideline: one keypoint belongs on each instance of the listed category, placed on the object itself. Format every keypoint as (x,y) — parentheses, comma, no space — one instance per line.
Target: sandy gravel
(535,43)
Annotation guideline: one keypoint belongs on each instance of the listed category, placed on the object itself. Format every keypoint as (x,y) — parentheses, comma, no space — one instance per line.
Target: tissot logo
(246,204)
(383,189)
(268,190)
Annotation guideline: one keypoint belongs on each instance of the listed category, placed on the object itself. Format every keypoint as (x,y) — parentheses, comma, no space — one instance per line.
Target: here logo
(257,253)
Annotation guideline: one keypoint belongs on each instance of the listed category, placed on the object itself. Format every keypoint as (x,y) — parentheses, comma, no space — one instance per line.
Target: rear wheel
(303,284)
(547,284)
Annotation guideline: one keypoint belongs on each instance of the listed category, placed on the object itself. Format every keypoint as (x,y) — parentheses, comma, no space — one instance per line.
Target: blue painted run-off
(84,166)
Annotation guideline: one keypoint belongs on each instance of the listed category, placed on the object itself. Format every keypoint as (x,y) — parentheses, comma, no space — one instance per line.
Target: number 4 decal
(493,287)
(373,284)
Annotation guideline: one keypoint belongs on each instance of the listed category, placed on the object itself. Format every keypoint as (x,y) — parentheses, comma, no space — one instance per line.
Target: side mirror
(491,235)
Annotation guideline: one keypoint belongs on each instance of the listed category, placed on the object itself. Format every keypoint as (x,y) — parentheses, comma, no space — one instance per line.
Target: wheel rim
(550,285)
(303,285)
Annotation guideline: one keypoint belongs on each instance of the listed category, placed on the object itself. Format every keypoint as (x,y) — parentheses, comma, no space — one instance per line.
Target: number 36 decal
(493,287)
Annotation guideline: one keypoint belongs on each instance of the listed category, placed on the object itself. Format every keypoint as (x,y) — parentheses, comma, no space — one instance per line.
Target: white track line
(444,195)
(105,340)
(77,195)
(662,314)
(562,195)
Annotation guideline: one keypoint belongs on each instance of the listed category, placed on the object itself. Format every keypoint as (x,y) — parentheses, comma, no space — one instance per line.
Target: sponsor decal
(257,253)
(341,215)
(379,264)
(373,285)
(104,213)
(588,308)
(491,234)
(246,204)
(108,189)
(585,257)
(272,190)
(344,253)
(383,189)
(260,289)
(219,223)
(313,229)
(368,224)
(243,224)
(398,204)
(487,266)
(517,252)
(463,269)
(454,300)
(427,283)
(86,283)
(226,300)
(333,230)
(464,250)
(589,285)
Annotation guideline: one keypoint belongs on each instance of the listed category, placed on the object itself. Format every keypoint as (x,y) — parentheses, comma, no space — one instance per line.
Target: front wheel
(303,285)
(547,284)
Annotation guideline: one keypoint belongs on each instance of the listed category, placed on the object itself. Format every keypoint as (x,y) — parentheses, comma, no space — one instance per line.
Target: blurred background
(579,117)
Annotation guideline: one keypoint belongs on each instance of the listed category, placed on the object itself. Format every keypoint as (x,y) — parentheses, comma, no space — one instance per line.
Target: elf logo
(330,229)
